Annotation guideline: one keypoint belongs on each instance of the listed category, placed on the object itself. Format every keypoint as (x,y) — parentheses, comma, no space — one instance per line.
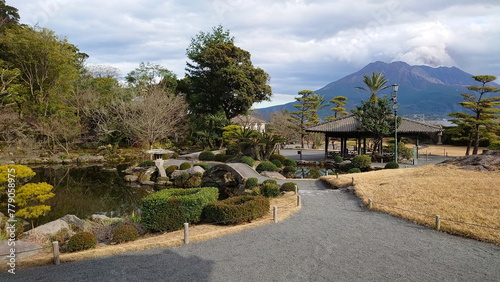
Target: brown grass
(286,207)
(454,194)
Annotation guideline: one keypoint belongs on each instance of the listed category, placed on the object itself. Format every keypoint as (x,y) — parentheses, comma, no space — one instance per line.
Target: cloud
(302,44)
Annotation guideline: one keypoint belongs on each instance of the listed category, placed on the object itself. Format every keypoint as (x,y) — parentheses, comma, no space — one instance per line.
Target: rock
(146,176)
(76,222)
(177,173)
(273,174)
(104,219)
(23,249)
(90,159)
(195,169)
(163,178)
(50,228)
(147,182)
(131,178)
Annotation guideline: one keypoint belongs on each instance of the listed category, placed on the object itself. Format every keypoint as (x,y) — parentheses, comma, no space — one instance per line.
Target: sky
(301,44)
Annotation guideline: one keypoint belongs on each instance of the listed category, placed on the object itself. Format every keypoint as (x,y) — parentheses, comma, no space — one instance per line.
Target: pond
(312,172)
(84,191)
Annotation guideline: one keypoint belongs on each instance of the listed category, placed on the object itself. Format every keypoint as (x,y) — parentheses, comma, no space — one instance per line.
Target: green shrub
(279,157)
(251,182)
(236,209)
(288,186)
(391,165)
(193,181)
(204,166)
(222,157)
(354,170)
(180,180)
(289,170)
(494,145)
(171,168)
(361,161)
(277,163)
(169,209)
(338,159)
(289,162)
(146,163)
(185,165)
(247,160)
(266,166)
(206,156)
(270,190)
(125,233)
(82,241)
(272,181)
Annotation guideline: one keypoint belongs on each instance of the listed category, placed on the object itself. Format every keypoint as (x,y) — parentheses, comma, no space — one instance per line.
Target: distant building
(250,122)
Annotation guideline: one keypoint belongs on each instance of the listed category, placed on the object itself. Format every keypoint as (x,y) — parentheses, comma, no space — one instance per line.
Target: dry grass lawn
(287,205)
(452,193)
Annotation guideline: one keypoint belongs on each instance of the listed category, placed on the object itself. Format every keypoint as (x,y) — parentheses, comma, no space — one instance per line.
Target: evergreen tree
(483,116)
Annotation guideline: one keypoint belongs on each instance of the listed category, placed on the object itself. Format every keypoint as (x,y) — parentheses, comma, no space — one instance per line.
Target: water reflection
(311,172)
(84,191)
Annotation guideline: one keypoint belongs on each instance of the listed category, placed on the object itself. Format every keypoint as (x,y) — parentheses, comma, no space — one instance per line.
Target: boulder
(102,218)
(50,228)
(90,159)
(131,178)
(195,169)
(146,176)
(77,223)
(177,173)
(147,182)
(273,174)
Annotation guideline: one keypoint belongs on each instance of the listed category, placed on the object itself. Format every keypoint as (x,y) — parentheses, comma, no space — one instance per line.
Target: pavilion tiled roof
(349,124)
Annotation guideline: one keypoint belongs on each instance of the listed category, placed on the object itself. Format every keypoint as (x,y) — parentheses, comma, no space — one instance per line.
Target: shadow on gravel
(150,265)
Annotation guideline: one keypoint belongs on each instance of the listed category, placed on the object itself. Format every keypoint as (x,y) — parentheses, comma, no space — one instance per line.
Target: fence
(186,234)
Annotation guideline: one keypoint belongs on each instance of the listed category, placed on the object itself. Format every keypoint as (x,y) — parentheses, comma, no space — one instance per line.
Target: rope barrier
(27,251)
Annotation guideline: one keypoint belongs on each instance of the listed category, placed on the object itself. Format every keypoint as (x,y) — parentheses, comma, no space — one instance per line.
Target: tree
(281,124)
(374,84)
(308,106)
(375,116)
(154,116)
(8,14)
(48,65)
(338,110)
(149,75)
(485,114)
(222,77)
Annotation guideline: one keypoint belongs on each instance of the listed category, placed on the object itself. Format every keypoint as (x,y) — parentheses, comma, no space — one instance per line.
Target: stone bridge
(230,177)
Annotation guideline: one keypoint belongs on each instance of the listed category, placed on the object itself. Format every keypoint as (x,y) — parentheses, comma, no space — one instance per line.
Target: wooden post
(296,189)
(186,233)
(275,214)
(370,204)
(352,183)
(298,200)
(438,222)
(55,250)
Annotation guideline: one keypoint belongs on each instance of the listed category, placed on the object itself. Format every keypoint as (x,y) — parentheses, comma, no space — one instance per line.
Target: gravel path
(332,238)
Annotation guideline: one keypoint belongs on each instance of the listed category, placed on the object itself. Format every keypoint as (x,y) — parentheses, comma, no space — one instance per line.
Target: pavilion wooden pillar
(364,145)
(327,141)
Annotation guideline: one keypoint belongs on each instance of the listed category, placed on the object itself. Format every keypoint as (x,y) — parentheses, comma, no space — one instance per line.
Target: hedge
(288,186)
(236,210)
(169,209)
(266,166)
(206,156)
(247,160)
(270,190)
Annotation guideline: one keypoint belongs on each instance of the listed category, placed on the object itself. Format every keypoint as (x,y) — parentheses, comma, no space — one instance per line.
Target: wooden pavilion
(348,127)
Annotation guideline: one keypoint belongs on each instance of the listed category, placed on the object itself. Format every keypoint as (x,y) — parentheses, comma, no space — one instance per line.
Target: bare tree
(154,116)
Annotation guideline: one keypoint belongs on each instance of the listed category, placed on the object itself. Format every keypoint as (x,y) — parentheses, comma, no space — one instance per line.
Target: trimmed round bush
(125,233)
(206,156)
(82,241)
(288,186)
(193,181)
(171,168)
(289,162)
(391,165)
(169,209)
(279,157)
(272,181)
(289,170)
(270,190)
(354,170)
(251,183)
(236,210)
(247,160)
(266,166)
(361,162)
(204,166)
(222,157)
(146,163)
(338,159)
(185,165)
(277,163)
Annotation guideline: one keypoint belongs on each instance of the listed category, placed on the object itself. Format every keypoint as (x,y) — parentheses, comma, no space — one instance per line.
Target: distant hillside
(423,90)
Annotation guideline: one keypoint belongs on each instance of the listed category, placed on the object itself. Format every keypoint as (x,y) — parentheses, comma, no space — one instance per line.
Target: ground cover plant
(449,191)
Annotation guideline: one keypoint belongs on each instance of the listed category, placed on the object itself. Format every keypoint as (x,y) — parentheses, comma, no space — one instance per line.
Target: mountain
(423,90)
